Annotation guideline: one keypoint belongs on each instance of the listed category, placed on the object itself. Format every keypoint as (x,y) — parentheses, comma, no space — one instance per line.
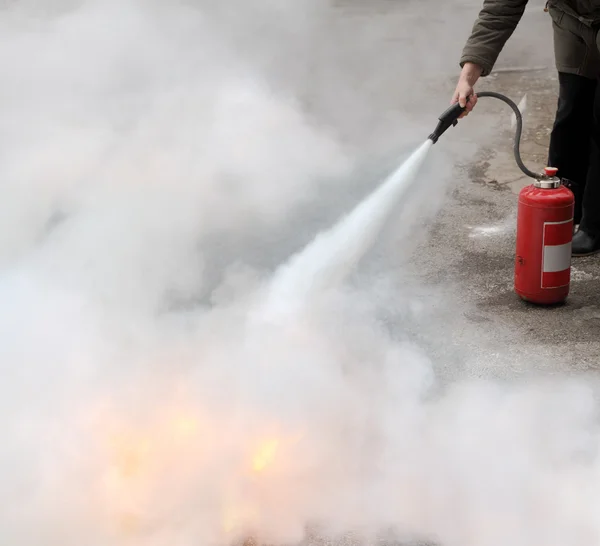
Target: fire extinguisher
(544,222)
(544,235)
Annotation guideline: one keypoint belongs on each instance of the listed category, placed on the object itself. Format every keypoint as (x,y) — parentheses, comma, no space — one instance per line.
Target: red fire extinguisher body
(543,249)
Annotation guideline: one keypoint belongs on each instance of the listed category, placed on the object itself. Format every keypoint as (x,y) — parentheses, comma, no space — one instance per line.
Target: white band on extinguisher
(557,258)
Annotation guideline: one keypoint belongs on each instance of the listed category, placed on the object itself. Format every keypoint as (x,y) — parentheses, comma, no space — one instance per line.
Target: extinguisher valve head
(548,180)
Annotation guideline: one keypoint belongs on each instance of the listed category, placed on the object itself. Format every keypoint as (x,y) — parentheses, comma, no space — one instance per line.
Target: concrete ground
(381,72)
(471,248)
(465,268)
(474,240)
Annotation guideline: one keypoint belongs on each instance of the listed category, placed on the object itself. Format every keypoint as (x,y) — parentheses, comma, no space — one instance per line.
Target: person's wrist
(471,73)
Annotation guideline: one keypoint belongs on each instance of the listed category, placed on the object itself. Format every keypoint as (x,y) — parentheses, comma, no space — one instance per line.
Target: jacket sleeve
(497,20)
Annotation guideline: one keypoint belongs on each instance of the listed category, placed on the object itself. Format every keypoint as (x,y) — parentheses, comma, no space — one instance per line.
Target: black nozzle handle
(453,113)
(448,119)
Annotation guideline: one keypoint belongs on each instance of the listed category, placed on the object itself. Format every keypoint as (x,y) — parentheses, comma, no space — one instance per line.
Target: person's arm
(496,23)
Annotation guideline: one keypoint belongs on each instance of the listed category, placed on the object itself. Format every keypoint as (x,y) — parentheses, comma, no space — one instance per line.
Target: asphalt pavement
(466,258)
(459,268)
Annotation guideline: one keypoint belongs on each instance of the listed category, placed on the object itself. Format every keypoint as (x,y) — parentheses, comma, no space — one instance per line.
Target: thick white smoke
(148,396)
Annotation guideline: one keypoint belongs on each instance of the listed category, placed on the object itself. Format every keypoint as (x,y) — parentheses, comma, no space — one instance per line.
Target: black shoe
(585,244)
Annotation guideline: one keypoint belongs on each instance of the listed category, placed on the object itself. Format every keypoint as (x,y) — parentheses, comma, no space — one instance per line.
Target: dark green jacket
(499,18)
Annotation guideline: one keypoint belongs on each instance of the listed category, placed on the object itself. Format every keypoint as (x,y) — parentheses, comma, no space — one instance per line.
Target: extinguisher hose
(518,133)
(450,118)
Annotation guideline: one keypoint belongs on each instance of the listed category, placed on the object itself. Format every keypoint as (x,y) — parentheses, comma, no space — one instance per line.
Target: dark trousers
(575,146)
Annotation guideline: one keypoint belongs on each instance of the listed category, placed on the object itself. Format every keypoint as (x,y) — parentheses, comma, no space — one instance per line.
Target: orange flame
(265,456)
(140,459)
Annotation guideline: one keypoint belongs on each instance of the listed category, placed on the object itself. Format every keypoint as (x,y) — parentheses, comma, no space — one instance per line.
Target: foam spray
(333,254)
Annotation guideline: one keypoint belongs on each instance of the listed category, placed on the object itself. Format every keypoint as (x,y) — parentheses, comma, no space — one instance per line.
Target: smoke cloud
(158,162)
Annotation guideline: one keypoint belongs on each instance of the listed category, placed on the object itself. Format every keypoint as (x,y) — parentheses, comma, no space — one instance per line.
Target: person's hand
(464,93)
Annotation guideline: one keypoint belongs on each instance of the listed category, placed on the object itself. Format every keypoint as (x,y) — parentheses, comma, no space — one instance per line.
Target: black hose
(450,119)
(519,131)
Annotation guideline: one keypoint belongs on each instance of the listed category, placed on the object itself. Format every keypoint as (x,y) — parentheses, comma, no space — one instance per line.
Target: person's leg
(576,52)
(587,240)
(570,138)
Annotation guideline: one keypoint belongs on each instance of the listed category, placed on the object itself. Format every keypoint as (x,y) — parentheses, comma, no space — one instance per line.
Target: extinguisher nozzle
(448,119)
